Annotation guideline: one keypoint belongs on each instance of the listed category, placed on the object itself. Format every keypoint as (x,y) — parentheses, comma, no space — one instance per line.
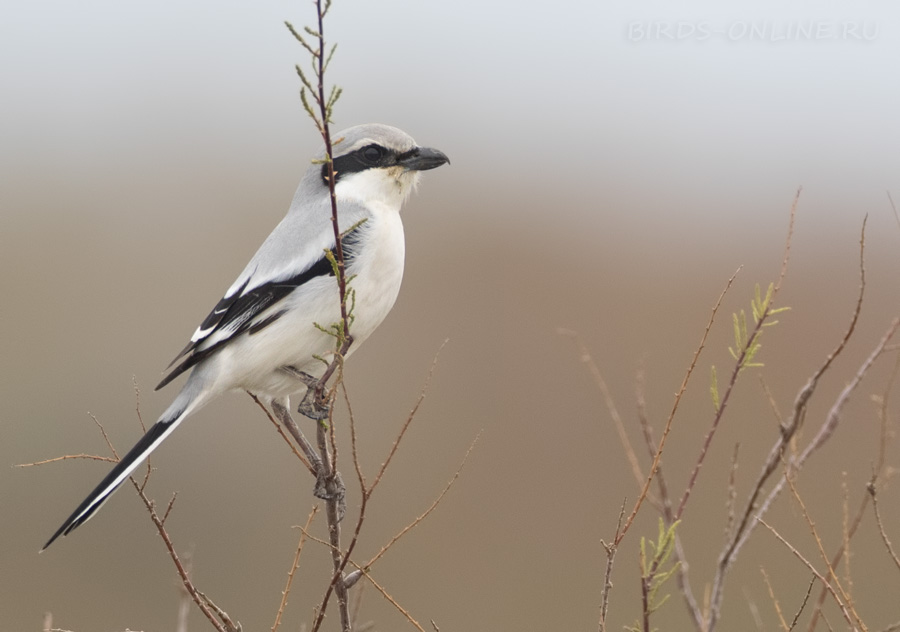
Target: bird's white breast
(378,270)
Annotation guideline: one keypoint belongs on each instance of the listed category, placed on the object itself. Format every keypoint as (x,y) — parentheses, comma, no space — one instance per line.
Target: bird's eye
(373,154)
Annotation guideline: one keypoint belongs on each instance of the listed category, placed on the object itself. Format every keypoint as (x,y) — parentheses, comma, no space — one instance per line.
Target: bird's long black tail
(183,405)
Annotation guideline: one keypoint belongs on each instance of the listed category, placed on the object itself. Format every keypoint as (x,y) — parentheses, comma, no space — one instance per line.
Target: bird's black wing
(235,314)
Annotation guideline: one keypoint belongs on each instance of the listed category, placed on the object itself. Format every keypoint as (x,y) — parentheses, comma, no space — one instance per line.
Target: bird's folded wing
(248,310)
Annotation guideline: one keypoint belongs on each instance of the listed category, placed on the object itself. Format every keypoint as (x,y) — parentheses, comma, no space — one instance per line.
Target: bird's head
(378,163)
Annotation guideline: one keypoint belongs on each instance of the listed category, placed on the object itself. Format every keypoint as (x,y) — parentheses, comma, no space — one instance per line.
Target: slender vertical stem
(347,340)
(332,477)
(332,514)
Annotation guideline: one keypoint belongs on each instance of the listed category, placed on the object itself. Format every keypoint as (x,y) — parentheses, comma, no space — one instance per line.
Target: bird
(265,335)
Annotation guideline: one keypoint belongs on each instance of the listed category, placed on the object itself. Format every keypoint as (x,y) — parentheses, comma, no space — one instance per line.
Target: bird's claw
(311,407)
(331,488)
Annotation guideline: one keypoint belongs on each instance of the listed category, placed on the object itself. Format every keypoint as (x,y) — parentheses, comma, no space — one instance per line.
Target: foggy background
(612,166)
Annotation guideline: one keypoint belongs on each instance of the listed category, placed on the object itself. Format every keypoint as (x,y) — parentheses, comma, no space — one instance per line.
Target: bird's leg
(310,406)
(329,484)
(284,416)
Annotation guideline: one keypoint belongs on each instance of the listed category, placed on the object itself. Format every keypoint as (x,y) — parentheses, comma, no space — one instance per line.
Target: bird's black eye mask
(369,157)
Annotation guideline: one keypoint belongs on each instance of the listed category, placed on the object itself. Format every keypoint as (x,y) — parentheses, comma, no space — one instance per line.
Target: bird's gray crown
(360,136)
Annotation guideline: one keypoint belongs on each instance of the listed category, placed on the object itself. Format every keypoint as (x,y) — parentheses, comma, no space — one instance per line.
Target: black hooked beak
(422,159)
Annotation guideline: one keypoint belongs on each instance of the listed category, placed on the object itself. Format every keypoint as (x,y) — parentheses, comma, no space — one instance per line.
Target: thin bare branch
(235,627)
(772,403)
(845,536)
(333,511)
(720,412)
(105,436)
(877,470)
(360,477)
(796,619)
(168,508)
(894,208)
(661,503)
(881,531)
(739,363)
(813,570)
(345,339)
(832,573)
(294,565)
(836,559)
(883,418)
(221,625)
(137,403)
(787,432)
(787,243)
(361,572)
(834,415)
(659,450)
(431,508)
(90,457)
(340,583)
(731,501)
(794,465)
(776,605)
(587,359)
(280,430)
(409,418)
(364,502)
(393,602)
(332,440)
(611,550)
(664,505)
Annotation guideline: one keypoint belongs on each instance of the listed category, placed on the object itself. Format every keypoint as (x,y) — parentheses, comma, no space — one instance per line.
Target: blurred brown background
(610,172)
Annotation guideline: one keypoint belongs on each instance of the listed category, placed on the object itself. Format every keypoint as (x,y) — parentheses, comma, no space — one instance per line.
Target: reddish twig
(812,569)
(787,432)
(611,550)
(409,418)
(425,513)
(65,457)
(280,430)
(587,359)
(884,537)
(775,604)
(659,450)
(294,565)
(739,363)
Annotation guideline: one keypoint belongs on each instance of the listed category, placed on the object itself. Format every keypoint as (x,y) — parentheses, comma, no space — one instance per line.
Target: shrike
(262,336)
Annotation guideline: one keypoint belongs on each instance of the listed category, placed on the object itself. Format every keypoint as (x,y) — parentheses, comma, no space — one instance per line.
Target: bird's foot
(311,407)
(331,488)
